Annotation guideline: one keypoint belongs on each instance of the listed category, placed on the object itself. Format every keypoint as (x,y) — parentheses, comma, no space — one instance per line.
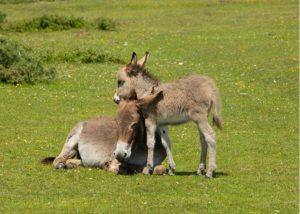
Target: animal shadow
(193,173)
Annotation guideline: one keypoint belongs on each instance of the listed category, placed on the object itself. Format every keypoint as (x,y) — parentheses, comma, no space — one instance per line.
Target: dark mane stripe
(137,69)
(150,76)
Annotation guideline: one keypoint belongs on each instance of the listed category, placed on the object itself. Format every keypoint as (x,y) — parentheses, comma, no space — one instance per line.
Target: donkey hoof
(146,171)
(60,166)
(209,175)
(171,172)
(159,170)
(201,172)
(71,166)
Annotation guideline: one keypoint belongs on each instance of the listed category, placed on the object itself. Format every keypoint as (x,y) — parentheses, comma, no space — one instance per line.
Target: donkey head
(131,124)
(125,77)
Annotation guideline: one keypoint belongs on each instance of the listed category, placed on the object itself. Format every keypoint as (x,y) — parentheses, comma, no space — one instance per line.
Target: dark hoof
(201,172)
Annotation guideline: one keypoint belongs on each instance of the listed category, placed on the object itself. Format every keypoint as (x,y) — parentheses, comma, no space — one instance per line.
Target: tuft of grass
(59,23)
(2,17)
(107,24)
(18,66)
(85,55)
(90,55)
(50,23)
(21,1)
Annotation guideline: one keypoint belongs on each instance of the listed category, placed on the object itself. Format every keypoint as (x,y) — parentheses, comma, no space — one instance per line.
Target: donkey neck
(144,84)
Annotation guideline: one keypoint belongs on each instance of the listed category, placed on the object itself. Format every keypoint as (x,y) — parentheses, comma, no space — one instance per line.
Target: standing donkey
(188,98)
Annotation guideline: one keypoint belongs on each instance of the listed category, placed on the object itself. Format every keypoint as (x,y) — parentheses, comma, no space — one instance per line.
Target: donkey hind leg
(67,153)
(202,166)
(159,170)
(164,132)
(69,150)
(209,139)
(150,144)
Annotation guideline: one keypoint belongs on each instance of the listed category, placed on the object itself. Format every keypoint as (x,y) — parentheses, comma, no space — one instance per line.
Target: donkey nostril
(114,154)
(125,154)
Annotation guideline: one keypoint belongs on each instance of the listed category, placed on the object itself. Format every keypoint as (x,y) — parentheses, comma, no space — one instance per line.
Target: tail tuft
(217,109)
(47,160)
(217,122)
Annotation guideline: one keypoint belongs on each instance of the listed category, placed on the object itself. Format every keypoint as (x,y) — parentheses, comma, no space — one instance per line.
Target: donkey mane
(137,69)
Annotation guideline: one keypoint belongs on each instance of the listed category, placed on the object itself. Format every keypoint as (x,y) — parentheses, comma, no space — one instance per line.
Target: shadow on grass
(182,173)
(193,173)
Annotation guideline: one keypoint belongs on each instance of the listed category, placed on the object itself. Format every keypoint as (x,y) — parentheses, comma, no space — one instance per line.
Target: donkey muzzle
(116,98)
(122,152)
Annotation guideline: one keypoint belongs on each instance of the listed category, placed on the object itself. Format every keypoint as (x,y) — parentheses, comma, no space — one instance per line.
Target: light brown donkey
(189,98)
(92,143)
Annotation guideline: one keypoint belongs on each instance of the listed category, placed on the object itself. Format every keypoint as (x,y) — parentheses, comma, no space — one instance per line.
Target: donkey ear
(133,60)
(142,62)
(147,100)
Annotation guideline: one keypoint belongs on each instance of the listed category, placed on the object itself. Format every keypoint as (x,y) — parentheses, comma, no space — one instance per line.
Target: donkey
(92,143)
(188,98)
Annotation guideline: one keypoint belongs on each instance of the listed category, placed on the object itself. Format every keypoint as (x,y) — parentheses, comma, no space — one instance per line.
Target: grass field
(250,48)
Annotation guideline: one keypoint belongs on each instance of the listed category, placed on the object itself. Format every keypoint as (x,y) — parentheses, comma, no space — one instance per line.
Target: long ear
(146,101)
(133,60)
(142,62)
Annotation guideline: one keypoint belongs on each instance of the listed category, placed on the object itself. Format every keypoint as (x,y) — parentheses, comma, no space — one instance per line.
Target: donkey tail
(216,102)
(47,160)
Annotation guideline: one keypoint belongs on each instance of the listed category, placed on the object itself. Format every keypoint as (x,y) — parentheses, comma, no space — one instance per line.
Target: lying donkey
(94,141)
(189,98)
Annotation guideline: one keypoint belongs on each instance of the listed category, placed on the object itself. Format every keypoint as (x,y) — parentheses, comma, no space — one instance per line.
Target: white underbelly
(91,157)
(173,120)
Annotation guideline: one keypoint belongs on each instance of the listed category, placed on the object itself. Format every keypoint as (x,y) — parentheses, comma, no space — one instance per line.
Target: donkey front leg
(60,161)
(164,132)
(151,128)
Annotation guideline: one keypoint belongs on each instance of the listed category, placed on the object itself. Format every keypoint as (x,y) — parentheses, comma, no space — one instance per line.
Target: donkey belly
(97,141)
(92,154)
(173,119)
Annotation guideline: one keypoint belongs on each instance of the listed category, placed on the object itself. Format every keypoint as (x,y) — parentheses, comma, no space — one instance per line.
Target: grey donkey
(188,98)
(92,143)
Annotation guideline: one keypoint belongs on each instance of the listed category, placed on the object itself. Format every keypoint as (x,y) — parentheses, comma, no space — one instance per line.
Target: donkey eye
(120,83)
(134,125)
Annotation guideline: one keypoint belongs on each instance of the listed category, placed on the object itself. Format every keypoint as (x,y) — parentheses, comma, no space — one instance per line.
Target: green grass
(250,49)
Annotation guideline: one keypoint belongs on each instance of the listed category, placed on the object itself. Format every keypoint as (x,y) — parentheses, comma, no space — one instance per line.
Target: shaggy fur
(188,98)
